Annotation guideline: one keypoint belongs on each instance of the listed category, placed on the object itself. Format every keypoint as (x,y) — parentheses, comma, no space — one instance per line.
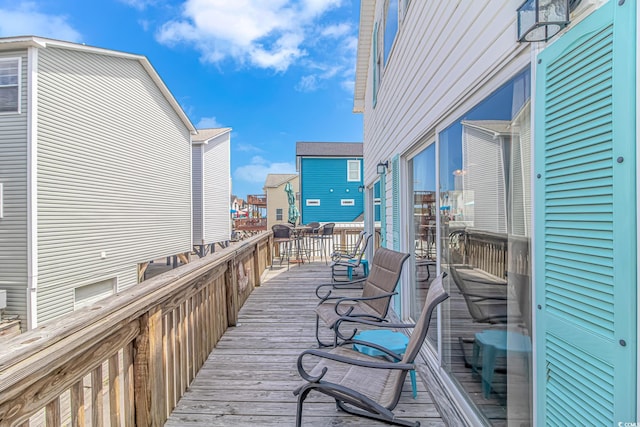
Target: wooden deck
(249,377)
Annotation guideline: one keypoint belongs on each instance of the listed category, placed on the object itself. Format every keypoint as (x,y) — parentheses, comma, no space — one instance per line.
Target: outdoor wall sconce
(360,188)
(539,20)
(382,167)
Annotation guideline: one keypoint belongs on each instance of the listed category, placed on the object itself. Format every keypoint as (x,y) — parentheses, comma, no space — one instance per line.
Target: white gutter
(32,188)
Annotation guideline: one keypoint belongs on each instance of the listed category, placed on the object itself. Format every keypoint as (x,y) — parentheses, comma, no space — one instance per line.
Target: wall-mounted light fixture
(539,20)
(382,167)
(361,188)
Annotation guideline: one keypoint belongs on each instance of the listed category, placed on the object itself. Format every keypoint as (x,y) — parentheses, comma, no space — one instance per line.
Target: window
(9,85)
(353,170)
(313,202)
(89,294)
(278,214)
(347,202)
(390,27)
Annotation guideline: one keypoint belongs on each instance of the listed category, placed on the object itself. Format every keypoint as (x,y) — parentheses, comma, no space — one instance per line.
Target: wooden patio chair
(343,267)
(377,289)
(364,385)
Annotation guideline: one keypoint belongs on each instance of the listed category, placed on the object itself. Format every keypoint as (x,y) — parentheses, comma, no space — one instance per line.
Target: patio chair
(282,241)
(364,385)
(348,251)
(324,238)
(373,304)
(342,268)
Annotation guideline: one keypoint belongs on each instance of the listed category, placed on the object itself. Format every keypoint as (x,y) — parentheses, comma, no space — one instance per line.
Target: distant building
(95,158)
(330,181)
(277,199)
(211,183)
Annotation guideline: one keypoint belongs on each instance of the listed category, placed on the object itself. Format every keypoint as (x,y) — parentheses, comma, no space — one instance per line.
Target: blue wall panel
(325,179)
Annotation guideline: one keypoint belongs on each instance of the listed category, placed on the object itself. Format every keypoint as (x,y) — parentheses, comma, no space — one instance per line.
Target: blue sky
(276,71)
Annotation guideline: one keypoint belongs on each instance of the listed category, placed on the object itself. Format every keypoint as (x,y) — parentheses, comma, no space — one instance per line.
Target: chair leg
(302,395)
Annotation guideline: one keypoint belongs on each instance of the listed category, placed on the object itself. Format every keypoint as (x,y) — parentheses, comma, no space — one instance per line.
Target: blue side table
(493,344)
(365,268)
(394,341)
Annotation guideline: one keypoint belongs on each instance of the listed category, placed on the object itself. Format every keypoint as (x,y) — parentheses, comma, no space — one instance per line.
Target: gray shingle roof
(274,180)
(206,134)
(329,149)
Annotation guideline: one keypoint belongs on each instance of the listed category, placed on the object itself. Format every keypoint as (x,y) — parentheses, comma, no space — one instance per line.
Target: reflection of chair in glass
(281,242)
(486,300)
(361,384)
(343,268)
(377,290)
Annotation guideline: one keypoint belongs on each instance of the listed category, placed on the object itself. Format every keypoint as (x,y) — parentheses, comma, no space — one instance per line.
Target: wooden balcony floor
(249,377)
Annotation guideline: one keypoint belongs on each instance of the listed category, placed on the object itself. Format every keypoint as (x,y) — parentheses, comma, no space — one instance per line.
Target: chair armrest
(483,297)
(361,321)
(356,299)
(347,360)
(324,294)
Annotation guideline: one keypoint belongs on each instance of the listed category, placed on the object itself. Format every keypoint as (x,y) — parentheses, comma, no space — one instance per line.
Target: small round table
(493,344)
(393,341)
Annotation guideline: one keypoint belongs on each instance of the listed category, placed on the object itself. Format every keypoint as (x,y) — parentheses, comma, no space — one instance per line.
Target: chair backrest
(435,296)
(327,229)
(384,273)
(281,231)
(313,225)
(361,250)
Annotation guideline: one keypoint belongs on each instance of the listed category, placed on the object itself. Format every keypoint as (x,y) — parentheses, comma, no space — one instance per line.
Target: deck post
(149,374)
(231,284)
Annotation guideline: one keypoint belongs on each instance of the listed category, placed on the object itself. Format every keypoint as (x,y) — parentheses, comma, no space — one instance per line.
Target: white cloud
(208,122)
(307,84)
(248,148)
(139,4)
(266,34)
(256,172)
(25,20)
(337,30)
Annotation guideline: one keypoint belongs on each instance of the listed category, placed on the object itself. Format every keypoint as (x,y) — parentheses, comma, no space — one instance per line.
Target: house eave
(367,15)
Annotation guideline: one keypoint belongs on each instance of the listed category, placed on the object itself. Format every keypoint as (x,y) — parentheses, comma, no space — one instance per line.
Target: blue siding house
(330,181)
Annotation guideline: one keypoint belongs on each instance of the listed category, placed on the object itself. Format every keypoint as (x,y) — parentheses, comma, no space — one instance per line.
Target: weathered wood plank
(249,377)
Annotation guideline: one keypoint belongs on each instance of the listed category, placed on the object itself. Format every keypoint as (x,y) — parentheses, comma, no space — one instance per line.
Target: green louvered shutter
(585,220)
(395,199)
(375,64)
(395,203)
(383,210)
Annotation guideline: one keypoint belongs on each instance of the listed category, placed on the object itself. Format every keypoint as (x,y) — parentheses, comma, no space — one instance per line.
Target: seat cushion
(327,311)
(380,385)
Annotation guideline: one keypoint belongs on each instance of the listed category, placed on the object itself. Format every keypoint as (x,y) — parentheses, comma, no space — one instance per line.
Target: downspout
(32,188)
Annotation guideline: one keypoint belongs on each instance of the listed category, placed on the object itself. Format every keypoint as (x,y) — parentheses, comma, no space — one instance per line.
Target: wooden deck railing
(128,359)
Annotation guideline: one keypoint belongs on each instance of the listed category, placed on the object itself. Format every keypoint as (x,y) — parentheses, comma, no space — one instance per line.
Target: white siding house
(95,175)
(530,149)
(211,188)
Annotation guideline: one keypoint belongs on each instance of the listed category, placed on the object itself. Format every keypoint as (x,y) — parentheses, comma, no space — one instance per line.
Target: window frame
(279,214)
(359,171)
(17,85)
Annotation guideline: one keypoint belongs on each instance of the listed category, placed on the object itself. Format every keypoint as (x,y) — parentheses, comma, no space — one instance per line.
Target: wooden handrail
(146,344)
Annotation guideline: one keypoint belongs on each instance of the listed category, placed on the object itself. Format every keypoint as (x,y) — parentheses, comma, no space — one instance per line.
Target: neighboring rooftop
(329,149)
(275,180)
(205,135)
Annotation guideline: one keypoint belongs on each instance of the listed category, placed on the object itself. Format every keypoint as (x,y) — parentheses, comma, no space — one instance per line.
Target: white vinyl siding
(452,64)
(484,178)
(217,189)
(196,185)
(13,176)
(113,174)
